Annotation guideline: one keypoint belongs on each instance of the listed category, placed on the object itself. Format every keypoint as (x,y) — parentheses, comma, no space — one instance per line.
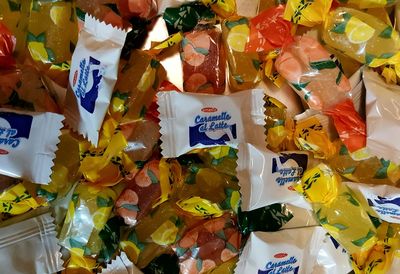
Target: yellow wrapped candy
(16,200)
(339,211)
(366,4)
(199,207)
(307,12)
(224,8)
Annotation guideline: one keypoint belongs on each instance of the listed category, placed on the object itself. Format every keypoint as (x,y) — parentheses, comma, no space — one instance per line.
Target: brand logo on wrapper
(13,128)
(212,129)
(86,82)
(289,168)
(285,265)
(389,207)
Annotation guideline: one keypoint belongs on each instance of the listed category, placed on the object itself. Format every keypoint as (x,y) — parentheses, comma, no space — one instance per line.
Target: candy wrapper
(269,218)
(7,46)
(93,76)
(244,68)
(209,120)
(382,114)
(224,8)
(35,242)
(138,82)
(144,8)
(23,88)
(268,30)
(285,251)
(201,49)
(208,245)
(146,185)
(367,4)
(52,28)
(21,137)
(307,13)
(362,37)
(266,178)
(186,17)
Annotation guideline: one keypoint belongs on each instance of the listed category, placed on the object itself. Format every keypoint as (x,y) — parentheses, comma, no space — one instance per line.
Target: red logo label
(209,109)
(280,255)
(3,152)
(75,77)
(291,188)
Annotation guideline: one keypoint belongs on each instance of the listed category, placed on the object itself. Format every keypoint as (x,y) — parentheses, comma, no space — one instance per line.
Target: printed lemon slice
(38,51)
(358,32)
(237,37)
(100,217)
(131,250)
(165,234)
(60,14)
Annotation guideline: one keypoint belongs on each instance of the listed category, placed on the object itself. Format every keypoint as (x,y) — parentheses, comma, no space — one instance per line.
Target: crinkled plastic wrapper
(203,61)
(35,242)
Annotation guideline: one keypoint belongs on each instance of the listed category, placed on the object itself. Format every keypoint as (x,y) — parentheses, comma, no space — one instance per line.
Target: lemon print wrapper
(52,31)
(245,69)
(360,36)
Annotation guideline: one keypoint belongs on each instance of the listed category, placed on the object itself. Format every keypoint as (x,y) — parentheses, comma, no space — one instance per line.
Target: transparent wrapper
(22,88)
(366,4)
(143,8)
(208,244)
(245,69)
(360,35)
(203,60)
(35,242)
(7,46)
(138,82)
(224,8)
(52,28)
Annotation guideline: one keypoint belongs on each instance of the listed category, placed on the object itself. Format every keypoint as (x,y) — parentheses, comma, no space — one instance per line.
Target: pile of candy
(210,136)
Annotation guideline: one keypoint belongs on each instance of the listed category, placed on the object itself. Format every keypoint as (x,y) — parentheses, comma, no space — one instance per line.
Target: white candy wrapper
(383,117)
(266,177)
(28,141)
(305,250)
(30,246)
(383,199)
(94,71)
(189,121)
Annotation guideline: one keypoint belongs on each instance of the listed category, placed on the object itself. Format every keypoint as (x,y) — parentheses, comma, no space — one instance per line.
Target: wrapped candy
(143,8)
(208,245)
(87,214)
(52,28)
(268,30)
(361,36)
(136,201)
(203,60)
(367,4)
(22,88)
(224,8)
(307,13)
(244,68)
(339,211)
(138,82)
(315,75)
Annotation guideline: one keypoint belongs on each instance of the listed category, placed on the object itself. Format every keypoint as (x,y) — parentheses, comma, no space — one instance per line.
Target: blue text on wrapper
(289,167)
(284,265)
(212,128)
(86,82)
(13,127)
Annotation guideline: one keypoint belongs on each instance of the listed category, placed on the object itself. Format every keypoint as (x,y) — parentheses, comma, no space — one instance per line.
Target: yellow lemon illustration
(358,32)
(235,199)
(100,217)
(60,15)
(237,37)
(165,234)
(38,51)
(147,79)
(131,250)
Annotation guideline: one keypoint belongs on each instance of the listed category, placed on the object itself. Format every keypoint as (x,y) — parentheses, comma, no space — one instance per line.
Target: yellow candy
(224,8)
(165,234)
